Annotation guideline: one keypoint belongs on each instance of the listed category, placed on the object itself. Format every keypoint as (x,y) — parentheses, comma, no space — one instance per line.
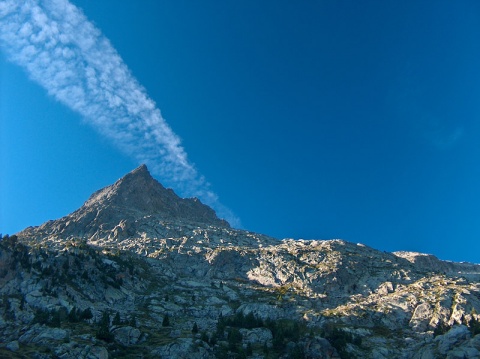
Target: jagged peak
(139,169)
(130,189)
(139,173)
(139,191)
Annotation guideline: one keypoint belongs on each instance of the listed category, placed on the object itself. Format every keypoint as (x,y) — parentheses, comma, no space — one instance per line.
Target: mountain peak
(132,198)
(136,190)
(141,168)
(139,193)
(140,171)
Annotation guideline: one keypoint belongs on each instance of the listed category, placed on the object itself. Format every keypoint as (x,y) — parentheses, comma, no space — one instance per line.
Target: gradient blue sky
(315,119)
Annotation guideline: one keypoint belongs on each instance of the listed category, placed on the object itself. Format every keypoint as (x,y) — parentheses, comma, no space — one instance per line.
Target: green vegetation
(20,254)
(474,326)
(286,336)
(103,330)
(55,317)
(48,317)
(339,339)
(117,320)
(441,329)
(166,321)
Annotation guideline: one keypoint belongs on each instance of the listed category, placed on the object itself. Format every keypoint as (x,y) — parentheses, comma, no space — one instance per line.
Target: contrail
(67,55)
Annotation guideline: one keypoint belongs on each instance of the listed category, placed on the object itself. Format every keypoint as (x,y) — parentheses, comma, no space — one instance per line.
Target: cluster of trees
(286,337)
(77,315)
(55,317)
(19,251)
(284,333)
(339,339)
(7,239)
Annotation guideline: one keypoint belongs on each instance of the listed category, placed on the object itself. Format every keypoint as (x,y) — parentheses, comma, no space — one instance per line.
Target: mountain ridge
(136,249)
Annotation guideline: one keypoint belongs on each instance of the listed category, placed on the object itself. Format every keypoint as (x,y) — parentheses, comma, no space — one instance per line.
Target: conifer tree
(166,321)
(117,320)
(103,332)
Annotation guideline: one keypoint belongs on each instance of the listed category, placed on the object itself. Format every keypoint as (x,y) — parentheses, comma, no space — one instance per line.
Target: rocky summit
(118,211)
(138,272)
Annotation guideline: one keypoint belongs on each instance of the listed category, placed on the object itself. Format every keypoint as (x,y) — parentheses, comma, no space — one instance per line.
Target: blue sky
(318,120)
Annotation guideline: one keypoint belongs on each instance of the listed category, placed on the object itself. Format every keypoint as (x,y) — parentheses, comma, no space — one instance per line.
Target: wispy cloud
(67,55)
(412,100)
(439,133)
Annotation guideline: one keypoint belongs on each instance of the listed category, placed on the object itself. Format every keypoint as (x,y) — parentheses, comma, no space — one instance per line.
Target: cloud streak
(66,54)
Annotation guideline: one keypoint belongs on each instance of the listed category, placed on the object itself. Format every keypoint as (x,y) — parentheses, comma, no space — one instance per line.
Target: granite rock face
(139,272)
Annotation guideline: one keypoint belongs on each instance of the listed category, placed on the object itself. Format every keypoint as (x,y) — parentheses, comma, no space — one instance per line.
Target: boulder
(97,353)
(257,336)
(13,346)
(426,352)
(39,334)
(113,295)
(215,301)
(182,349)
(452,338)
(126,335)
(320,348)
(421,317)
(261,310)
(462,353)
(385,288)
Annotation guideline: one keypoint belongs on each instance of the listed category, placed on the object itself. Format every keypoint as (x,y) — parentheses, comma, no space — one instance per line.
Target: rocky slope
(138,272)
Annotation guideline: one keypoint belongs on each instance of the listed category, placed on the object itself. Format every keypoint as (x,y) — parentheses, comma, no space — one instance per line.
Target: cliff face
(139,272)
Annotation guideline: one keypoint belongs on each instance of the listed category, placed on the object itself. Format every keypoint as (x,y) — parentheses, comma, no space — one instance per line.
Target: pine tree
(73,315)
(22,303)
(87,314)
(103,332)
(166,321)
(204,337)
(117,320)
(133,321)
